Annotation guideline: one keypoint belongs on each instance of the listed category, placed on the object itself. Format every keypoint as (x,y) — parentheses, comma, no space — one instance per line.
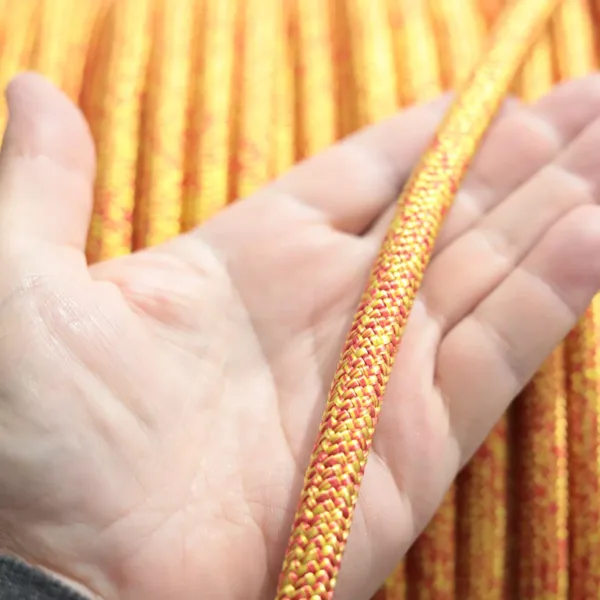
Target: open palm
(157,411)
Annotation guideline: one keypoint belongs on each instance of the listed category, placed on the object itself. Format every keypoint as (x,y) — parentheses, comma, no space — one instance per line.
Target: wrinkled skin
(157,411)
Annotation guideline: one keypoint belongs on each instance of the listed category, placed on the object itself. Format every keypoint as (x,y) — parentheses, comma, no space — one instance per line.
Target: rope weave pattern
(333,477)
(113,60)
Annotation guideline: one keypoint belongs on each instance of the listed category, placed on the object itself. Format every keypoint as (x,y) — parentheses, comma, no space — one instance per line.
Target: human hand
(157,411)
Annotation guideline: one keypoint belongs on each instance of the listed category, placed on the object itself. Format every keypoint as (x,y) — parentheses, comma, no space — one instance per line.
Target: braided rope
(416,51)
(161,164)
(322,524)
(489,556)
(283,147)
(432,560)
(576,55)
(316,80)
(256,80)
(207,177)
(372,60)
(111,101)
(542,571)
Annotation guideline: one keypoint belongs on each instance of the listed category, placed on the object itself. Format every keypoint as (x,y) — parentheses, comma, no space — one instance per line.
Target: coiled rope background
(193,103)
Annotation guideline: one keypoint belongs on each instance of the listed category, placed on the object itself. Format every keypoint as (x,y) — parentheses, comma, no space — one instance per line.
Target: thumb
(47,167)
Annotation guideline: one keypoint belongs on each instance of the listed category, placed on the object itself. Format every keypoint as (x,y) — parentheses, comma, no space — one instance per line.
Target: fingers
(352,182)
(46,166)
(487,358)
(478,261)
(521,145)
(516,147)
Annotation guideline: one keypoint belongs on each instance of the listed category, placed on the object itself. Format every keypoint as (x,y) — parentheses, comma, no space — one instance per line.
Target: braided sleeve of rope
(484,531)
(208,145)
(330,492)
(316,78)
(253,129)
(540,433)
(432,561)
(576,55)
(111,99)
(161,150)
(415,51)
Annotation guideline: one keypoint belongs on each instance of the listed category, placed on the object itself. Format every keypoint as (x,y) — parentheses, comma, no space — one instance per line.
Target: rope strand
(111,101)
(107,57)
(163,124)
(322,524)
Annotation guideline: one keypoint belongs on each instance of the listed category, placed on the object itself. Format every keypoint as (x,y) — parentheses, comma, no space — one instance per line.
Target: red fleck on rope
(333,477)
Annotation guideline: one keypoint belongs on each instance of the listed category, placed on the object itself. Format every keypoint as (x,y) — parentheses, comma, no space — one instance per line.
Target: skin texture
(157,411)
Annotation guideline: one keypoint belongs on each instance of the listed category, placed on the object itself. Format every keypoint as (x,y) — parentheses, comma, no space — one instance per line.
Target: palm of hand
(159,409)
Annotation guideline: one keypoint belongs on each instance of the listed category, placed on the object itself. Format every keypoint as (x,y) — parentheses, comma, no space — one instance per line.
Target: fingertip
(24,80)
(47,166)
(44,121)
(577,98)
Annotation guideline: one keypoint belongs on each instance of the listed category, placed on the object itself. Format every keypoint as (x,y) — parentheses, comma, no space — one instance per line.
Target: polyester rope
(323,519)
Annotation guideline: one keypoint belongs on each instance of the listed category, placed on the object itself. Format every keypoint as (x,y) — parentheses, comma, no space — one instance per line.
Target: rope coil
(479,545)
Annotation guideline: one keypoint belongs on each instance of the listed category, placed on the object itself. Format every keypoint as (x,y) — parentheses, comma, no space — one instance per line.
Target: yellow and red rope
(332,481)
(243,113)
